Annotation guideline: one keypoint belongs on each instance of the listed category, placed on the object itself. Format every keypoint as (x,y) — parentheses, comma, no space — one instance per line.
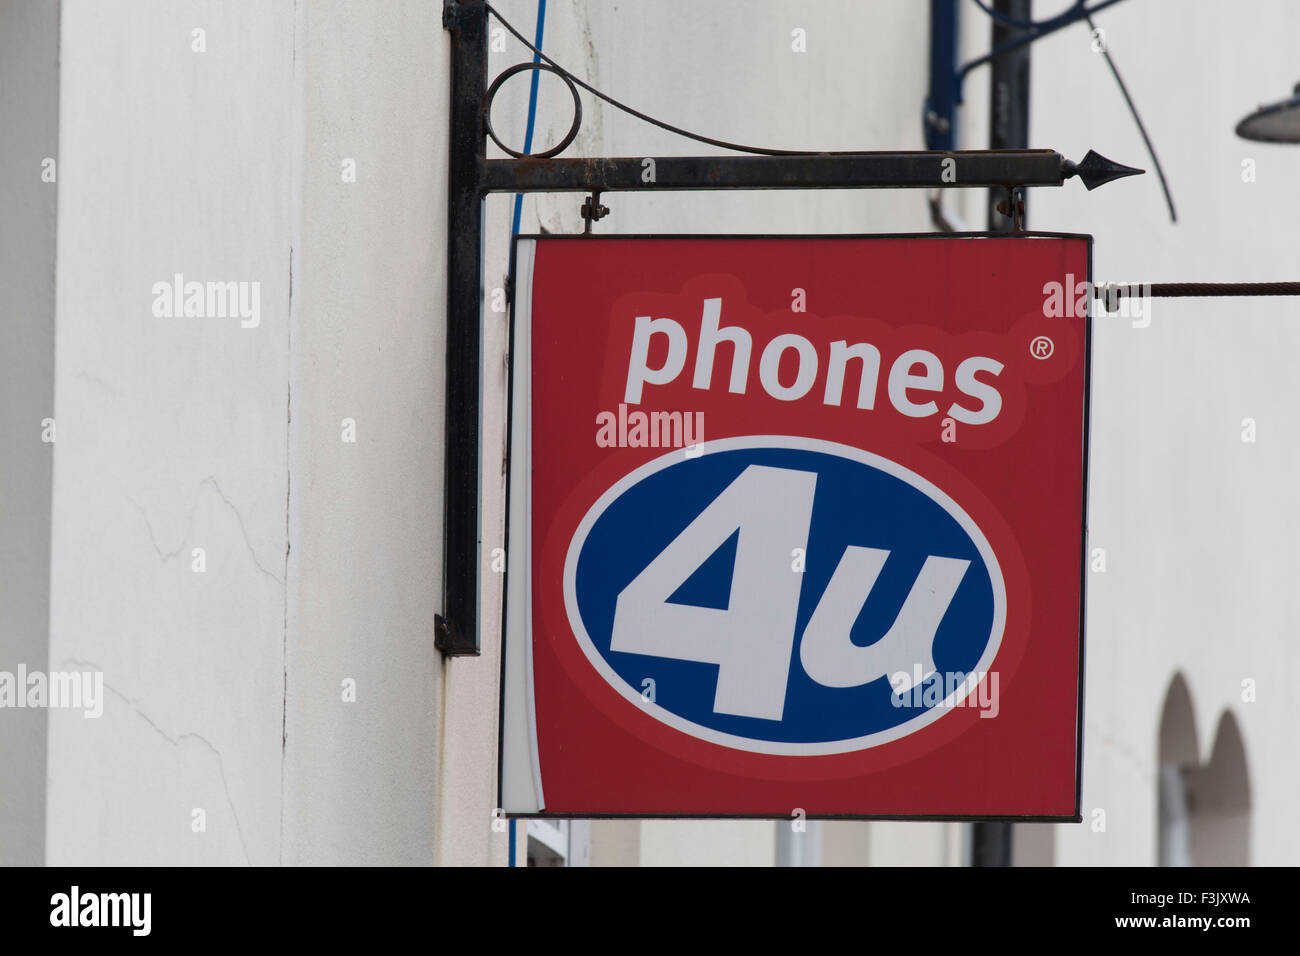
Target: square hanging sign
(796,524)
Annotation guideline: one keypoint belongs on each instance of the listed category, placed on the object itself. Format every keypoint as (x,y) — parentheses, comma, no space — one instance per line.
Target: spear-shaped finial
(1096,170)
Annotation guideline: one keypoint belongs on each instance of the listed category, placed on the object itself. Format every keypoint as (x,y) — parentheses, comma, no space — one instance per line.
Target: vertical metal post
(456,629)
(941,103)
(1008,129)
(1008,98)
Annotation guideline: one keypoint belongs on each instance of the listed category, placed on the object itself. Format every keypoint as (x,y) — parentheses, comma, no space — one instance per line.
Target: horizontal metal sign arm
(868,170)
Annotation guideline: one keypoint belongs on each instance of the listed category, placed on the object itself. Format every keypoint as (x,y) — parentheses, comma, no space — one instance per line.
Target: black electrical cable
(760,150)
(1164,184)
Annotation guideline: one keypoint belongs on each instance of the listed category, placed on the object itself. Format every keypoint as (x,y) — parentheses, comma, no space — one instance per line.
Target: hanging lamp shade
(1277,123)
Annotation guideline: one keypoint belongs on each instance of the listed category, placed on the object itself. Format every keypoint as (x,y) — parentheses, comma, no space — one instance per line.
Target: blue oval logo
(786,595)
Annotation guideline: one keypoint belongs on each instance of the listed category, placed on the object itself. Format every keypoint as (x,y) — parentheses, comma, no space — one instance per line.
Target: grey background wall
(29,101)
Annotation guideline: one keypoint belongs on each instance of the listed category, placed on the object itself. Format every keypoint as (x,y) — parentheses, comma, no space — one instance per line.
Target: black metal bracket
(456,629)
(1013,207)
(592,210)
(472,176)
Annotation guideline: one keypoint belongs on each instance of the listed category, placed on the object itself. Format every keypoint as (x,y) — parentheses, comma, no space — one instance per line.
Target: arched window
(1220,800)
(1179,754)
(1204,808)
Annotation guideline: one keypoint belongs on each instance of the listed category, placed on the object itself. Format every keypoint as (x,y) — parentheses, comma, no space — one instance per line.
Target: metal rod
(456,629)
(1008,105)
(1173,290)
(873,170)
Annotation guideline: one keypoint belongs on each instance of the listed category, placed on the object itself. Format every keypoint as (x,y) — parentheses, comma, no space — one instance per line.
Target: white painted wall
(173,432)
(707,843)
(323,561)
(365,569)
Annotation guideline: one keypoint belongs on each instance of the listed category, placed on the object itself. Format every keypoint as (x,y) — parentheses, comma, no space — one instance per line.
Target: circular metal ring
(520,68)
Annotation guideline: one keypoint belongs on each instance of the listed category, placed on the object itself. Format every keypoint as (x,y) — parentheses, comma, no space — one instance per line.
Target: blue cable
(519,210)
(532,106)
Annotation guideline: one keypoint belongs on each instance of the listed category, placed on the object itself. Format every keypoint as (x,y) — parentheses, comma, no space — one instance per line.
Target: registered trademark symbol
(1041,347)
